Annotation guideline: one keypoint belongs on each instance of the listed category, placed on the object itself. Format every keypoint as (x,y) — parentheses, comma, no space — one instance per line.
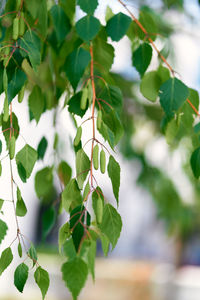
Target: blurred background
(158,254)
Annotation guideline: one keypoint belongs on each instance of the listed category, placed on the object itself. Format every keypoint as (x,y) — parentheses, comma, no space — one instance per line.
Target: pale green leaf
(64,234)
(149,86)
(71,194)
(36,102)
(91,258)
(33,254)
(21,276)
(27,156)
(82,167)
(74,273)
(44,182)
(114,174)
(42,279)
(111,224)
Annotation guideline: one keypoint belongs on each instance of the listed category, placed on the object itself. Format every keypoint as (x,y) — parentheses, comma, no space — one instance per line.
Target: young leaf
(64,234)
(111,224)
(71,194)
(3,229)
(64,172)
(82,167)
(61,22)
(19,249)
(33,254)
(75,65)
(74,274)
(195,162)
(114,174)
(42,279)
(142,57)
(36,102)
(117,26)
(91,258)
(5,259)
(88,27)
(42,147)
(150,84)
(27,156)
(88,6)
(21,276)
(173,94)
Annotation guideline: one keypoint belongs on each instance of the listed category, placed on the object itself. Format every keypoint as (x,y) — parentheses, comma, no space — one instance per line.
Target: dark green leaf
(195,162)
(103,54)
(88,6)
(21,276)
(173,94)
(114,174)
(0,146)
(74,105)
(71,194)
(75,273)
(21,172)
(142,57)
(117,26)
(82,167)
(5,259)
(3,228)
(75,65)
(48,221)
(88,27)
(42,147)
(27,156)
(61,22)
(36,102)
(15,84)
(111,224)
(42,279)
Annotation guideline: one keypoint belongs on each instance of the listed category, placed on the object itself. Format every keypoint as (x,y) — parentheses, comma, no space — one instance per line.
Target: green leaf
(71,194)
(48,221)
(64,172)
(105,244)
(88,27)
(113,123)
(69,7)
(74,274)
(150,85)
(5,259)
(64,234)
(114,174)
(42,147)
(78,217)
(117,26)
(75,105)
(111,224)
(69,250)
(36,102)
(21,276)
(42,279)
(173,94)
(113,97)
(75,65)
(15,84)
(31,43)
(148,23)
(21,172)
(88,6)
(61,22)
(82,167)
(33,254)
(19,249)
(21,209)
(3,228)
(0,146)
(142,57)
(1,203)
(103,54)
(27,156)
(91,258)
(44,182)
(195,162)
